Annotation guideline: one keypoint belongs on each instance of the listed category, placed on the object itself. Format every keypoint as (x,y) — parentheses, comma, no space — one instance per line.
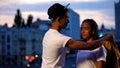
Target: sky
(102,11)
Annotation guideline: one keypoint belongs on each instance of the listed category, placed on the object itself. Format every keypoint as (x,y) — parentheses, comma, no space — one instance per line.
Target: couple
(55,43)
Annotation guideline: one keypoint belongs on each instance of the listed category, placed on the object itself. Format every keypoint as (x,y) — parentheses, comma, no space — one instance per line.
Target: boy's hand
(109,37)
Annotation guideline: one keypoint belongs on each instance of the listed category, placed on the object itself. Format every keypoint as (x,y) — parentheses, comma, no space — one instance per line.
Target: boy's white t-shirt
(54,50)
(88,58)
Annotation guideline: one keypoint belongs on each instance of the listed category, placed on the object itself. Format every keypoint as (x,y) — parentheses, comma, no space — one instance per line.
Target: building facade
(16,43)
(104,31)
(74,25)
(117,23)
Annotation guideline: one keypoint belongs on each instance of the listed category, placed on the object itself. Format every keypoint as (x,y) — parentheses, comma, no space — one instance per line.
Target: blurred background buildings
(22,43)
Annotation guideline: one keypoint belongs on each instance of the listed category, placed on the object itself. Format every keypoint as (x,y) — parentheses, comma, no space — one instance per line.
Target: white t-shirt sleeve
(65,39)
(101,54)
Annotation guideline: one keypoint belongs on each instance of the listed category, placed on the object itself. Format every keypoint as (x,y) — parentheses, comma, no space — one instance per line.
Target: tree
(18,19)
(29,21)
(23,23)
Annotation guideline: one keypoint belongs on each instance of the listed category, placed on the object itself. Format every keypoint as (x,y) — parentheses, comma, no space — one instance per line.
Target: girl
(90,58)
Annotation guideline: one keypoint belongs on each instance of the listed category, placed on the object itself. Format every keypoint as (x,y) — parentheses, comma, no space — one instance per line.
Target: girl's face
(86,31)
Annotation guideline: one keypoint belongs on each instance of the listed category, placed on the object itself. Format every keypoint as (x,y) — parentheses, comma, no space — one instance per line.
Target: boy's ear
(93,32)
(58,19)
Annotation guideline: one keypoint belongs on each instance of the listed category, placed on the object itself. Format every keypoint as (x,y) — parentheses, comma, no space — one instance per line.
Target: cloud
(9,2)
(93,5)
(99,16)
(34,1)
(86,0)
(52,1)
(10,18)
(41,15)
(6,3)
(100,10)
(6,19)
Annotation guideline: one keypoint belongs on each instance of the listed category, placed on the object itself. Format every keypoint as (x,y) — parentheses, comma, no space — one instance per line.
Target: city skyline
(102,11)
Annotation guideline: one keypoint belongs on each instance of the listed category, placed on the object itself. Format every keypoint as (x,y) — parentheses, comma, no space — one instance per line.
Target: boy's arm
(80,45)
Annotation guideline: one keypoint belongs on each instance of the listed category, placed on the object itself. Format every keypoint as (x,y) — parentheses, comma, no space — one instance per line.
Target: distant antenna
(67,5)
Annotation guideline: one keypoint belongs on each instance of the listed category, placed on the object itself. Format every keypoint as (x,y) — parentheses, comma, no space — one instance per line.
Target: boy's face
(64,20)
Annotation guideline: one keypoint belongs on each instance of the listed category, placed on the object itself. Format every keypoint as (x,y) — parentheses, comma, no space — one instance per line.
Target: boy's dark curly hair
(56,10)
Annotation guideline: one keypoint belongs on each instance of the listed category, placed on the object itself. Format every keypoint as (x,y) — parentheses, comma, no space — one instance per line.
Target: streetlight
(28,65)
